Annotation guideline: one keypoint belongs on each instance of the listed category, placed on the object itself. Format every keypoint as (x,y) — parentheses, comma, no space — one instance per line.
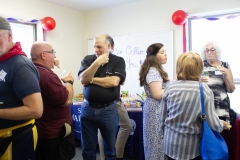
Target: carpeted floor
(79,154)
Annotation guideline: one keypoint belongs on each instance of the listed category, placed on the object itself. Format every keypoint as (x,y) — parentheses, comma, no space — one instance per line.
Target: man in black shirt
(101,74)
(124,123)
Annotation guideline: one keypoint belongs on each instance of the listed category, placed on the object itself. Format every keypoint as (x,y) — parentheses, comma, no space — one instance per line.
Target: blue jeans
(106,119)
(125,127)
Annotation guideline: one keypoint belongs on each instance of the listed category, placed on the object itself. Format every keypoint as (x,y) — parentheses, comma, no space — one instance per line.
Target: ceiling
(87,5)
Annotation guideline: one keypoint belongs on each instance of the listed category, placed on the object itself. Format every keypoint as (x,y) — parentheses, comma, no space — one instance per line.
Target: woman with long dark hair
(154,79)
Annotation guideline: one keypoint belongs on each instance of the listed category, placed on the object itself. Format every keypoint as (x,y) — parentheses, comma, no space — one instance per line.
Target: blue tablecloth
(134,145)
(75,112)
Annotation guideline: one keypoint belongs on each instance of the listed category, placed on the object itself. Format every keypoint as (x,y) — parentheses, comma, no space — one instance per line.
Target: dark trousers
(56,149)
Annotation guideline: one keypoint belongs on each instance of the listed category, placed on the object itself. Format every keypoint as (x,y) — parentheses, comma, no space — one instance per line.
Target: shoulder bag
(212,144)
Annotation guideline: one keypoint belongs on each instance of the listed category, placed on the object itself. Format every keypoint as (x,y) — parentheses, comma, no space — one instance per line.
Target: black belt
(5,142)
(98,105)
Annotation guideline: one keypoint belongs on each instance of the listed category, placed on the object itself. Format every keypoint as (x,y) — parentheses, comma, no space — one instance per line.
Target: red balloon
(48,23)
(179,17)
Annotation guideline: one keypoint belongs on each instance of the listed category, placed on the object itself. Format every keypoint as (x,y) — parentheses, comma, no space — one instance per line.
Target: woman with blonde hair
(154,79)
(181,110)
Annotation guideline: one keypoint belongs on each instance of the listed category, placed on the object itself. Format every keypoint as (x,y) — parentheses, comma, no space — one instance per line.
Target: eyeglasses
(210,50)
(52,51)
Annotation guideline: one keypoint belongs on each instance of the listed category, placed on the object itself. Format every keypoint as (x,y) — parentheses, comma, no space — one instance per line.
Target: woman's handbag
(212,144)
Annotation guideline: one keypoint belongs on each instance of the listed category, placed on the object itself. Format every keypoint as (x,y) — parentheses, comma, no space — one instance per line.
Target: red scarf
(15,50)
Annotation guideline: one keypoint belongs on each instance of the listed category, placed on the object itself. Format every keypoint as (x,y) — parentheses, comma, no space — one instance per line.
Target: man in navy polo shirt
(125,125)
(20,98)
(101,74)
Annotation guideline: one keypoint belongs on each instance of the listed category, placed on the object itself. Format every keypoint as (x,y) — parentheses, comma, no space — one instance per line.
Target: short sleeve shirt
(115,67)
(21,79)
(54,95)
(153,76)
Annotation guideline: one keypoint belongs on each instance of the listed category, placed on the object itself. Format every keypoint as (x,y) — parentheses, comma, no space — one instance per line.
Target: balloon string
(44,35)
(184,37)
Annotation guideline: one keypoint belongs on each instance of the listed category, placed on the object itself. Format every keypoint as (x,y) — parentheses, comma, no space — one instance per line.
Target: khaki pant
(123,133)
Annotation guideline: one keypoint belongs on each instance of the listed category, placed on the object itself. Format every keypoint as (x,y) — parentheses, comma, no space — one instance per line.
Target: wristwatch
(69,81)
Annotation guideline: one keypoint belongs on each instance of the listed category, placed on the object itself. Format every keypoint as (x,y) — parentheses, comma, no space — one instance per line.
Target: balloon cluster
(48,23)
(179,17)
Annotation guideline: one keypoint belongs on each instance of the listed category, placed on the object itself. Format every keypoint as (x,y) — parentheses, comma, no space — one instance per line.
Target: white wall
(69,23)
(149,16)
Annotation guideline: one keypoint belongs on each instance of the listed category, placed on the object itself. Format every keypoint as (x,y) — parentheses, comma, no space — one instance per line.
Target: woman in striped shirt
(181,110)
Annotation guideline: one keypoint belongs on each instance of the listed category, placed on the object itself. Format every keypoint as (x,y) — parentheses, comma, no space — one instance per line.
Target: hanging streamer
(44,35)
(216,18)
(212,18)
(11,19)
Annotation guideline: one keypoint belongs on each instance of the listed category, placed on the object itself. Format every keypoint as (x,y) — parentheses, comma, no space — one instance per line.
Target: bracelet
(91,80)
(69,81)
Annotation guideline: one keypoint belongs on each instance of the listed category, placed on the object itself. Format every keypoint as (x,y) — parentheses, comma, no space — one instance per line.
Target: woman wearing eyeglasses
(220,81)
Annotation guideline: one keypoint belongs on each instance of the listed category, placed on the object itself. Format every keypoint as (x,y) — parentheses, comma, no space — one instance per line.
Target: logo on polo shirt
(2,75)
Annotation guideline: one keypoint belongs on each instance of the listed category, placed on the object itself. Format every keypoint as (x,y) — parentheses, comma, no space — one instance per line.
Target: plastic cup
(205,74)
(64,73)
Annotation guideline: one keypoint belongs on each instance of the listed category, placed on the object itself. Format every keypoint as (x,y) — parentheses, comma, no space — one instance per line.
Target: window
(25,34)
(234,99)
(224,29)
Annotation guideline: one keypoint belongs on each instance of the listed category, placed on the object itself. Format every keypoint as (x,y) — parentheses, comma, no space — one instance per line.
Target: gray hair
(107,37)
(216,46)
(4,24)
(110,40)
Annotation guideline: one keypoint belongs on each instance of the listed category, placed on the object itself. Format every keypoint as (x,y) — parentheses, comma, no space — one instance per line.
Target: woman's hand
(227,77)
(223,70)
(204,79)
(226,126)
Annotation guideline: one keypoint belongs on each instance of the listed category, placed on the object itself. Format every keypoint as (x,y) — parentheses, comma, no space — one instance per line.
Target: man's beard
(3,50)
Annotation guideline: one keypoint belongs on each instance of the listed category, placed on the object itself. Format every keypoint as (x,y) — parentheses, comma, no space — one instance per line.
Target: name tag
(218,73)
